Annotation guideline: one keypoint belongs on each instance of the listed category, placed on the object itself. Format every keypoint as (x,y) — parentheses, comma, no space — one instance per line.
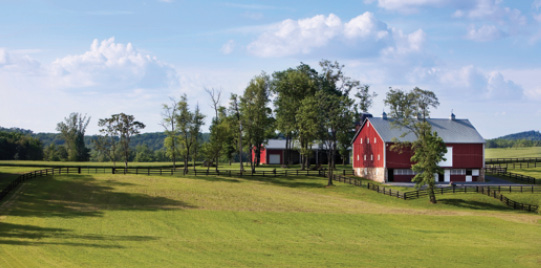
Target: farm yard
(89,220)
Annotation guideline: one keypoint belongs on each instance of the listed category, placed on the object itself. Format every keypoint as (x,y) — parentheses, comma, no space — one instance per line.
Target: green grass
(526,198)
(513,152)
(141,221)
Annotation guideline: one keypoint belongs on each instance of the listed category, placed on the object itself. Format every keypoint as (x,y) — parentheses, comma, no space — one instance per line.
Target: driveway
(490,181)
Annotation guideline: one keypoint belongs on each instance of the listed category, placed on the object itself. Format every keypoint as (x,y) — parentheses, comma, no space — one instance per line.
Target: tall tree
(234,111)
(189,126)
(107,144)
(290,88)
(72,130)
(307,127)
(410,111)
(124,127)
(335,106)
(169,123)
(257,120)
(217,128)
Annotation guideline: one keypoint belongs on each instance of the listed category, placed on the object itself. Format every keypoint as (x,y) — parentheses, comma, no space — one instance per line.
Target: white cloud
(228,47)
(363,34)
(109,65)
(484,33)
(407,6)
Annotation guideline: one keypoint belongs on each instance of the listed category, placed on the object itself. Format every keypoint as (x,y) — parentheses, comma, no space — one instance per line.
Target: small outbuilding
(373,158)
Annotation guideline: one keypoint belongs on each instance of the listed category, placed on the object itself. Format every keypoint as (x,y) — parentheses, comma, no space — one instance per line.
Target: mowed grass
(513,152)
(152,221)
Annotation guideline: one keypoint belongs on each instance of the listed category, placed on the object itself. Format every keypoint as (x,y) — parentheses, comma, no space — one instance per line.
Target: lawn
(513,152)
(142,221)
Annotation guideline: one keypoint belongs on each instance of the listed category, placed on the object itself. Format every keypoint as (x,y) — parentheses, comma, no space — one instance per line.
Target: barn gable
(465,157)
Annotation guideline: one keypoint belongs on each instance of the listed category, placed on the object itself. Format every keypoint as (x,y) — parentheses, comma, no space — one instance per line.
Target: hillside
(531,135)
(154,140)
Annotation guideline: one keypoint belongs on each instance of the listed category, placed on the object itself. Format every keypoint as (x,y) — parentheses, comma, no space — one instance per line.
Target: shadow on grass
(28,235)
(70,196)
(290,181)
(472,204)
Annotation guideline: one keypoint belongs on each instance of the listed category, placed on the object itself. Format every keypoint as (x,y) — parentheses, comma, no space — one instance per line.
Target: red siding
(263,156)
(398,160)
(467,155)
(371,149)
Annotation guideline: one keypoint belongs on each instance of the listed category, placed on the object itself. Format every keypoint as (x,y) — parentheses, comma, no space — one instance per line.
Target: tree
(236,133)
(189,126)
(106,145)
(256,116)
(335,118)
(171,130)
(290,88)
(365,97)
(410,111)
(143,153)
(217,127)
(122,126)
(335,106)
(307,125)
(72,131)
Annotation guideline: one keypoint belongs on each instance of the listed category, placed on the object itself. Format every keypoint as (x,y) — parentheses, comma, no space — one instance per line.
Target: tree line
(309,106)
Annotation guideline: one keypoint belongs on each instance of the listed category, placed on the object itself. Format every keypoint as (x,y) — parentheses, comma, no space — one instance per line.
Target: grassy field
(513,152)
(130,221)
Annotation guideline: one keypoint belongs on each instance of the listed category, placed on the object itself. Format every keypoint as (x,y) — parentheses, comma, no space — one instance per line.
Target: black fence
(493,191)
(525,162)
(514,176)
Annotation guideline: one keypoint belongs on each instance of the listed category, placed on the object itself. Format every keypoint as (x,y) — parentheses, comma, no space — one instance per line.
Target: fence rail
(494,191)
(513,162)
(517,177)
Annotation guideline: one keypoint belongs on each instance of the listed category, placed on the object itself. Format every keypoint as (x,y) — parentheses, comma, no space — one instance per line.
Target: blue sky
(481,57)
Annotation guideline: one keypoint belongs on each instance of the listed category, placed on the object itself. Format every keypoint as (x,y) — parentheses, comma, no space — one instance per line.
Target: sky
(482,58)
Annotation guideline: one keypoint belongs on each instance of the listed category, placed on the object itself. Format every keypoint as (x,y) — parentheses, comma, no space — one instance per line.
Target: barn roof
(281,144)
(450,130)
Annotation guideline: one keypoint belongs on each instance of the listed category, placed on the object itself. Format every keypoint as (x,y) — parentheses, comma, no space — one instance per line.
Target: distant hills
(153,140)
(531,135)
(522,139)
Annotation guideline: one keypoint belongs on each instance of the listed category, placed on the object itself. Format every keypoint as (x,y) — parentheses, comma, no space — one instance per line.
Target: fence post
(113,170)
(79,170)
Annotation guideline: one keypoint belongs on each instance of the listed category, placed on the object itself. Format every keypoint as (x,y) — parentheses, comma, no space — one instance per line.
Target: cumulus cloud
(473,82)
(111,65)
(485,33)
(362,34)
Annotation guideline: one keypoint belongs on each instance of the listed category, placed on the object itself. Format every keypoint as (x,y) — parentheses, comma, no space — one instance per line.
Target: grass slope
(130,221)
(513,152)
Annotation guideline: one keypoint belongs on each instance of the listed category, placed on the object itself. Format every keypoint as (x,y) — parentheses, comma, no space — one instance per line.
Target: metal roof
(450,130)
(281,144)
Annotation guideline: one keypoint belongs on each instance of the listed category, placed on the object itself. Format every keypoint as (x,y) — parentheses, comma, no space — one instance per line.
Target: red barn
(373,158)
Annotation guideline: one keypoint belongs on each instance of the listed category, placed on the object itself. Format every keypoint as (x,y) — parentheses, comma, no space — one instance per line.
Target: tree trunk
(431,194)
(329,167)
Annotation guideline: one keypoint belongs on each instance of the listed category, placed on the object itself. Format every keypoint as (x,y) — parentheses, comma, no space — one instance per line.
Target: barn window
(364,157)
(375,140)
(367,140)
(378,157)
(458,172)
(371,157)
(357,157)
(361,140)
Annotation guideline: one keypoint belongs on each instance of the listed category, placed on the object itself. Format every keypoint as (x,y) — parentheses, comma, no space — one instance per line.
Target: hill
(154,140)
(531,135)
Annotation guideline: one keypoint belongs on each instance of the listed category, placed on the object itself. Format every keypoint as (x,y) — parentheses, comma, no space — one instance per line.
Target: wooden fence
(493,191)
(514,176)
(526,162)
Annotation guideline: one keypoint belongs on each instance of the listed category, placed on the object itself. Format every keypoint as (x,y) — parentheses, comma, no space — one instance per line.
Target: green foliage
(18,146)
(72,130)
(429,150)
(410,110)
(189,126)
(143,154)
(256,116)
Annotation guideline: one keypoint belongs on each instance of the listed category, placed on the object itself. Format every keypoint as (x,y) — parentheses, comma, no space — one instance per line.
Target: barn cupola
(384,115)
(452,117)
